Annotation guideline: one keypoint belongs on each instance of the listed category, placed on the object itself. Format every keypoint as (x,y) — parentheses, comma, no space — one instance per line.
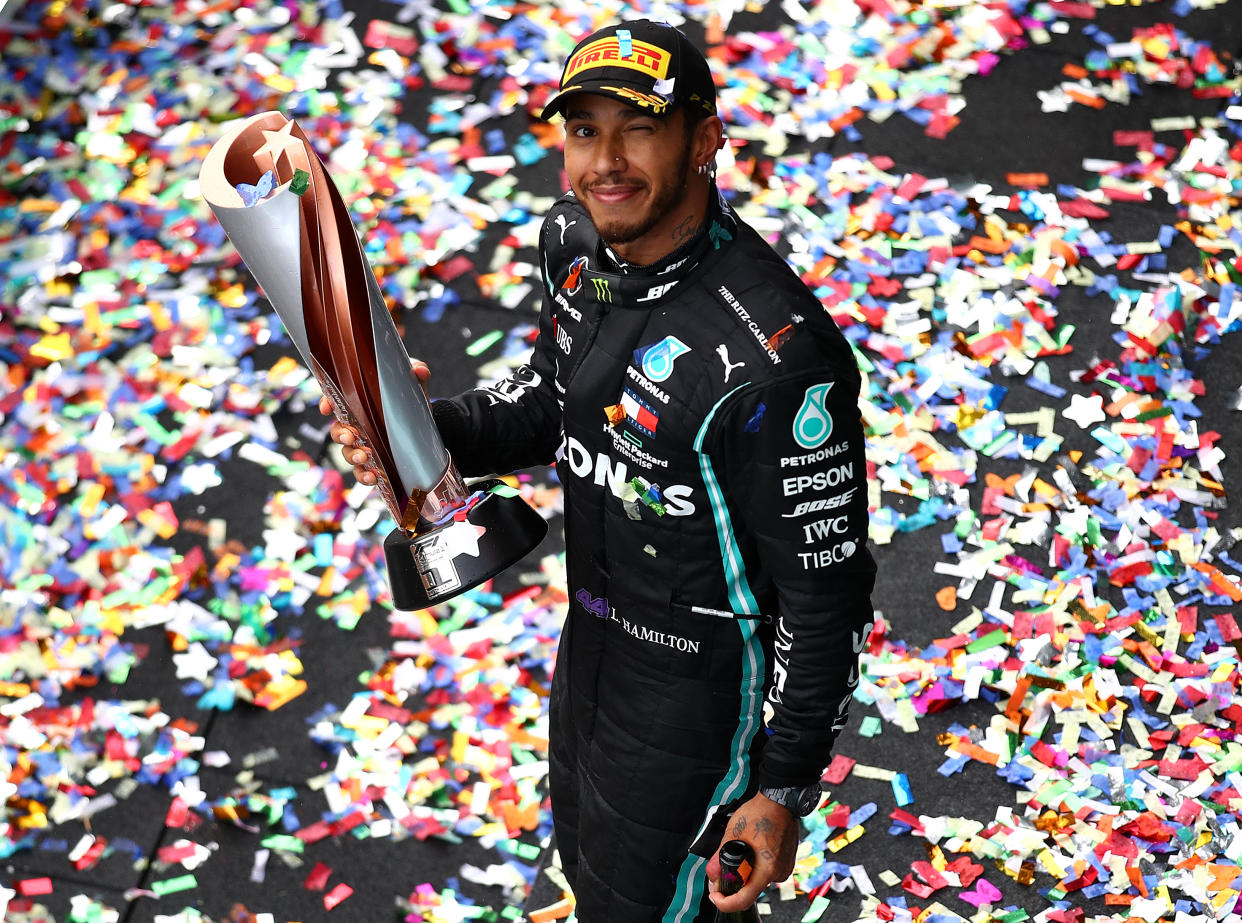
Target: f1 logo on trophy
(271,193)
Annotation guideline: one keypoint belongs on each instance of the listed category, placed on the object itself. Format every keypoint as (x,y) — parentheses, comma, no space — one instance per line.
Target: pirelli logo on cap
(606,52)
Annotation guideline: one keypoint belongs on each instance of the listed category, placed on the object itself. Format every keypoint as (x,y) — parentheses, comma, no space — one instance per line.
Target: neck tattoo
(685,230)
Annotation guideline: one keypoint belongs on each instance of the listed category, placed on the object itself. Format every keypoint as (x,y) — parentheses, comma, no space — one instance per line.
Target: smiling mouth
(610,195)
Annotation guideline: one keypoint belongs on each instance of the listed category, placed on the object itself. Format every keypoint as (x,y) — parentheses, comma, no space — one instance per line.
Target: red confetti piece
(317,880)
(336,895)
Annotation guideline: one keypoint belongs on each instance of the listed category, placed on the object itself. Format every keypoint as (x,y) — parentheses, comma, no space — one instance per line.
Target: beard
(666,195)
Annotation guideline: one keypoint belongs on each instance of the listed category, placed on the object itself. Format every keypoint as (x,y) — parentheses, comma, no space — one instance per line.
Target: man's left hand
(772,832)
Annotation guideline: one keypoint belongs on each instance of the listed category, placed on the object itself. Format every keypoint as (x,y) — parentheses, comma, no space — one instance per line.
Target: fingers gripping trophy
(269,190)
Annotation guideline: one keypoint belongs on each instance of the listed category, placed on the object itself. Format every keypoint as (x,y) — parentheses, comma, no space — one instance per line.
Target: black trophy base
(437,564)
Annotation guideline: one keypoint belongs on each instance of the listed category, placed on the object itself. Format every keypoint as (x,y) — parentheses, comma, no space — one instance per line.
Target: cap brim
(631,96)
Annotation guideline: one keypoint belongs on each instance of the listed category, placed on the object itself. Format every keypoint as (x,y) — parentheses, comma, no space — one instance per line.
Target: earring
(702,169)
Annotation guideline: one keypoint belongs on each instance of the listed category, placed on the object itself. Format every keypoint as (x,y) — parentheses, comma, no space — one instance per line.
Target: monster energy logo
(603,292)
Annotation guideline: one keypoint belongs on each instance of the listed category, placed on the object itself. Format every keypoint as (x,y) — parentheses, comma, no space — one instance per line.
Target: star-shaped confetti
(1085,411)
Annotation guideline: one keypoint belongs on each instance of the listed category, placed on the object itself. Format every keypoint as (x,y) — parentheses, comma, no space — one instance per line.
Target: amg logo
(566,306)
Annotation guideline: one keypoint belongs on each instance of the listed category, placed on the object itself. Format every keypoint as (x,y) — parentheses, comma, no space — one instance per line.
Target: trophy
(275,200)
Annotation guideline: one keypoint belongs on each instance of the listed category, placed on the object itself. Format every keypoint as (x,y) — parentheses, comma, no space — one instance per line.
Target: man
(701,407)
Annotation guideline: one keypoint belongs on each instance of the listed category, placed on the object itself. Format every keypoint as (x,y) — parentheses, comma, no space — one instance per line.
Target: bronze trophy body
(299,243)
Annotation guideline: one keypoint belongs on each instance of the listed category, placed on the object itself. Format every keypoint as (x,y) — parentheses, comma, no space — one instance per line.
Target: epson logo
(820,480)
(601,469)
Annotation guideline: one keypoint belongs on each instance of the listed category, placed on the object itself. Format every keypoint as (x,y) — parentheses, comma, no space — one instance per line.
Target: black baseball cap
(649,65)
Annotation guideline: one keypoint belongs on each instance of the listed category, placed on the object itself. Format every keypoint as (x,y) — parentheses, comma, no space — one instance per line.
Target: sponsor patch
(740,310)
(657,360)
(819,480)
(644,417)
(812,425)
(603,471)
(837,554)
(723,352)
(607,52)
(821,504)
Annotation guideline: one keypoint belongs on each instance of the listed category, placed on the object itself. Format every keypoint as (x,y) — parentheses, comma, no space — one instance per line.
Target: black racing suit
(703,415)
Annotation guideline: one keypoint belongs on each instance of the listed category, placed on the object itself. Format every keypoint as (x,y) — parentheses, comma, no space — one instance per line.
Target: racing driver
(701,407)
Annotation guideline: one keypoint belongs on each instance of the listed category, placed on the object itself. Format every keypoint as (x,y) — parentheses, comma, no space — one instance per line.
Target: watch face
(799,801)
(808,800)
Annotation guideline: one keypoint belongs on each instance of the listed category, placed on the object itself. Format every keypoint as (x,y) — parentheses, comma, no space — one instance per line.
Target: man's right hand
(347,437)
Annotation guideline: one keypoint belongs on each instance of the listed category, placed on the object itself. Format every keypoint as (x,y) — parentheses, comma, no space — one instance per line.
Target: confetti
(1088,578)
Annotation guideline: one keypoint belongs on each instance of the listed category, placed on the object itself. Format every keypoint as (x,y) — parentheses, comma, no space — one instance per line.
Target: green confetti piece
(817,909)
(502,489)
(870,726)
(173,885)
(1153,414)
(991,639)
(1052,794)
(993,447)
(528,851)
(283,842)
(484,343)
(34,582)
(300,182)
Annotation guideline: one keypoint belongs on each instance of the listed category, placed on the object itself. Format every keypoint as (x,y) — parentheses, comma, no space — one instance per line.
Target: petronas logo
(657,360)
(812,426)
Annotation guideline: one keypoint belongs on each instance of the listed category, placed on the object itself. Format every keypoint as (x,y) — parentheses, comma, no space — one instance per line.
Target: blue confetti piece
(253,195)
(626,42)
(901,790)
(323,549)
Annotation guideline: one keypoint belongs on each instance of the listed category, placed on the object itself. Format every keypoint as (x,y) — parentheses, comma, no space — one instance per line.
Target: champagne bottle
(735,857)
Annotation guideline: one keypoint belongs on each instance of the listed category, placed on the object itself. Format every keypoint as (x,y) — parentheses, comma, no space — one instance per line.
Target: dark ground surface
(1002,131)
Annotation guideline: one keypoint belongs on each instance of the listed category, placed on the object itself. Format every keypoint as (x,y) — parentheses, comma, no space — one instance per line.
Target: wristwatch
(799,801)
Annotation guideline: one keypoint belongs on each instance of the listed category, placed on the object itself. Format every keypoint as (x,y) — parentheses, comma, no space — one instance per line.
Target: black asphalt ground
(271,755)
